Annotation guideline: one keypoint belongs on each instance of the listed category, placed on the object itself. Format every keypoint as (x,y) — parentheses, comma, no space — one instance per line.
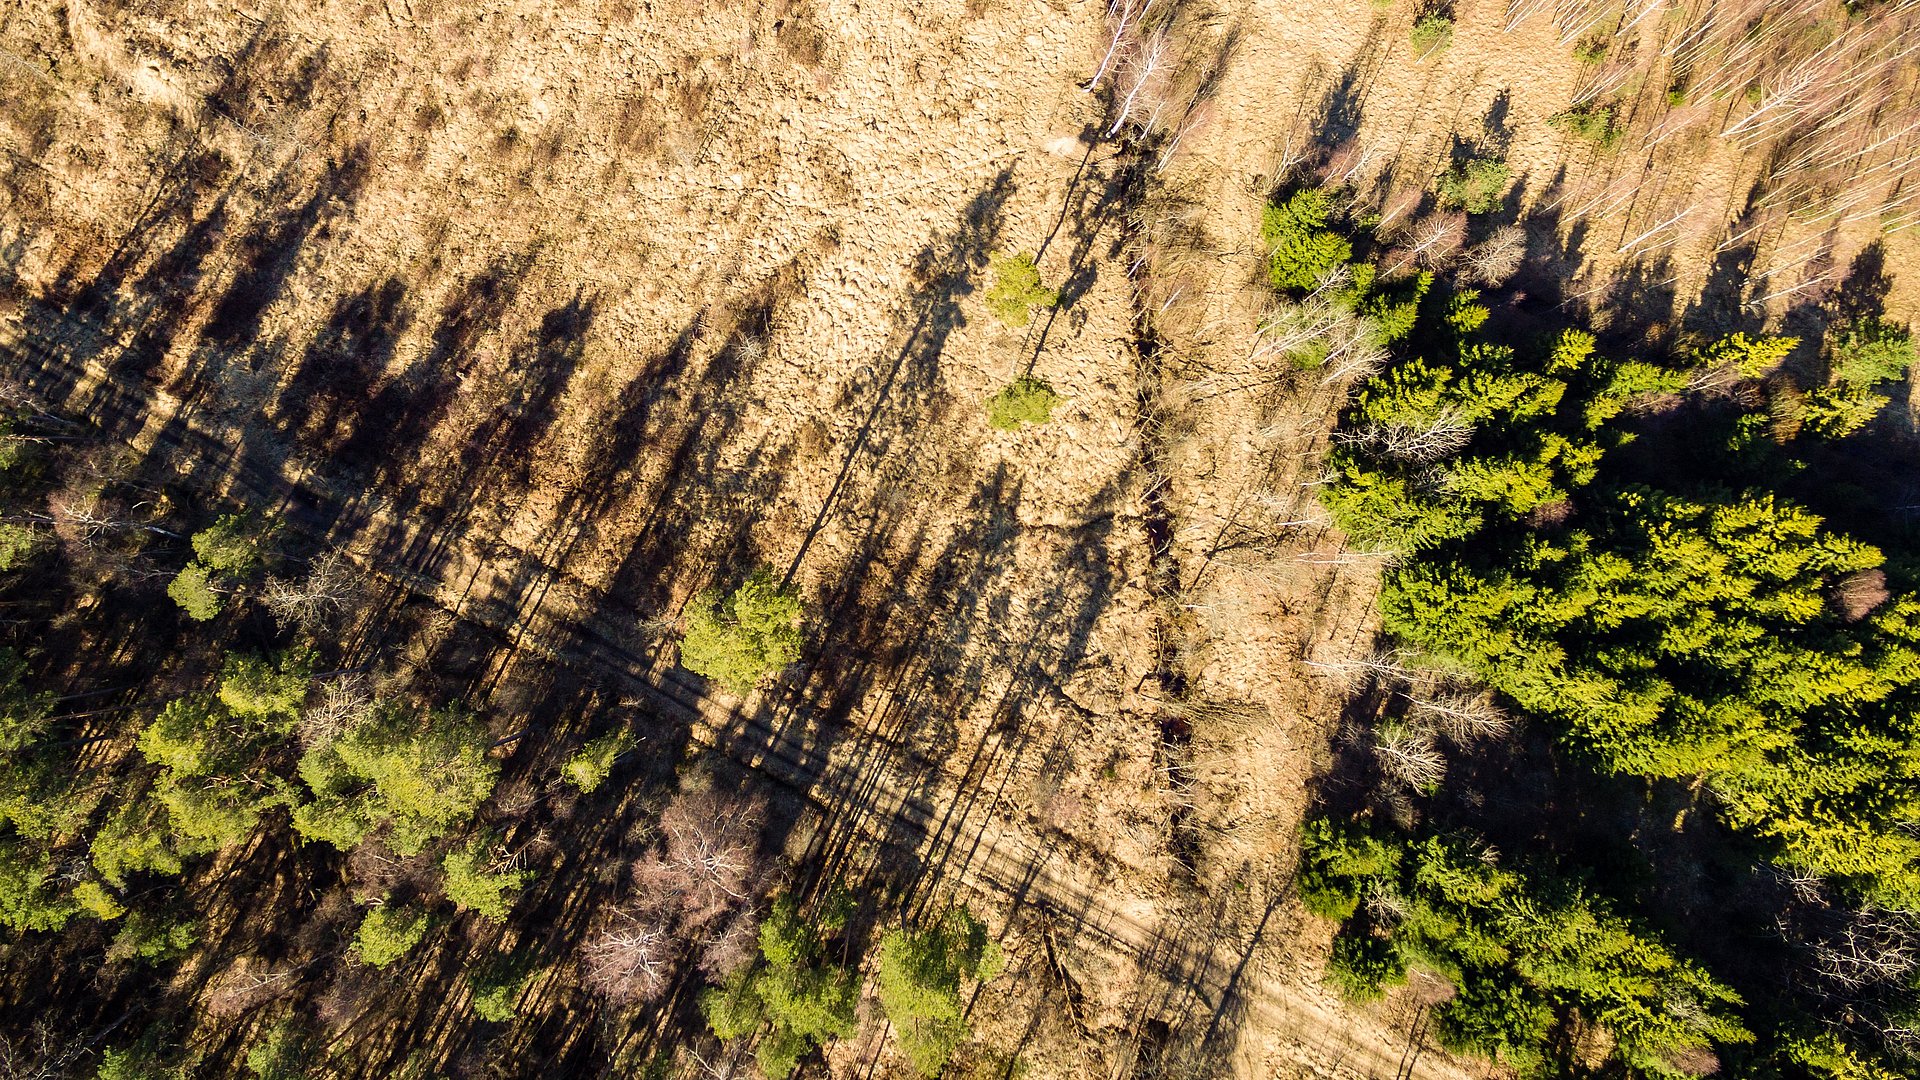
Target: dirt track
(868,788)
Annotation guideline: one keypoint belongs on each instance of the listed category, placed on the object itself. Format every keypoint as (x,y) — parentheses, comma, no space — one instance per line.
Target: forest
(973,540)
(1671,587)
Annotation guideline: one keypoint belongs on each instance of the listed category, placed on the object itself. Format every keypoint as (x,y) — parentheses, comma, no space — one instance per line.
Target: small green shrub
(1016,289)
(388,933)
(192,588)
(1595,122)
(1872,351)
(1025,400)
(153,939)
(1301,250)
(17,544)
(497,987)
(589,768)
(1431,33)
(473,885)
(1475,185)
(1590,50)
(751,633)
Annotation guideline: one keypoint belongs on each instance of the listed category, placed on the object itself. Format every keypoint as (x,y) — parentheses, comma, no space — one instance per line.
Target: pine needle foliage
(1301,249)
(802,1000)
(921,973)
(474,883)
(589,768)
(1520,946)
(1476,185)
(1025,400)
(1016,290)
(418,775)
(389,932)
(742,637)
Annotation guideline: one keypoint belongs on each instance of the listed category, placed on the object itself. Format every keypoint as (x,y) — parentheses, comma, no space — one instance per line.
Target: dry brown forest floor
(555,314)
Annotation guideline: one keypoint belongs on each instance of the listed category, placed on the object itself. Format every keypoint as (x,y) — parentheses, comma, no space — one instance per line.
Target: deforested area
(991,539)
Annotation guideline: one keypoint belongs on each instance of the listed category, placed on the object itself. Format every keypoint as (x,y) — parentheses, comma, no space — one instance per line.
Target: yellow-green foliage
(192,588)
(227,550)
(230,545)
(282,1054)
(1025,400)
(419,775)
(1431,33)
(745,636)
(30,898)
(589,768)
(1596,122)
(1671,635)
(389,932)
(1870,352)
(1016,289)
(804,1000)
(135,837)
(153,939)
(920,975)
(1520,949)
(17,543)
(497,986)
(1748,356)
(1301,250)
(473,883)
(23,710)
(266,693)
(1476,185)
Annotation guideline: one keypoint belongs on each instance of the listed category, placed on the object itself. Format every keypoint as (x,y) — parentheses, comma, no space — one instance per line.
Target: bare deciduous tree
(1460,715)
(1408,756)
(333,585)
(1433,238)
(1858,594)
(710,864)
(1385,665)
(629,961)
(733,948)
(1441,436)
(340,705)
(1872,947)
(247,984)
(40,1054)
(1493,260)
